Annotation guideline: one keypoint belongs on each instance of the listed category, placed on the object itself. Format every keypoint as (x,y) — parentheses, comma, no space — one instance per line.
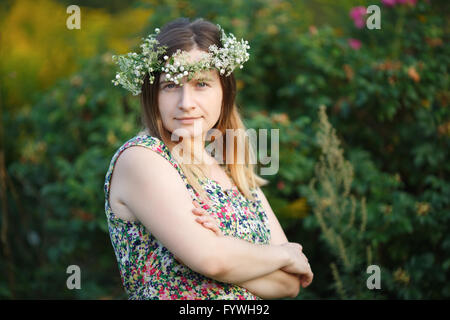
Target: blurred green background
(364,124)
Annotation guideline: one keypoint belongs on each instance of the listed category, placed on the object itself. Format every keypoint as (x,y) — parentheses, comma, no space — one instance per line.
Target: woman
(202,230)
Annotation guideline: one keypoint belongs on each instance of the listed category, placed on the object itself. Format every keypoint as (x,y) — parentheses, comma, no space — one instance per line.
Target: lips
(188,118)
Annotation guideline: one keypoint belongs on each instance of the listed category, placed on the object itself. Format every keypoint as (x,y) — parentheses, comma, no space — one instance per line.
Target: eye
(167,86)
(205,84)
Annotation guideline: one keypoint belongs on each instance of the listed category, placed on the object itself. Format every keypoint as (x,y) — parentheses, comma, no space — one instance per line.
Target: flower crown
(133,66)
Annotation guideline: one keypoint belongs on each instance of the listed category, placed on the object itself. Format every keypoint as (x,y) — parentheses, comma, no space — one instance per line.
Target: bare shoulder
(135,155)
(139,162)
(155,194)
(118,180)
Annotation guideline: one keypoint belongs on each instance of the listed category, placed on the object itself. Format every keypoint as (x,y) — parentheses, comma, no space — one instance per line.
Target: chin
(188,130)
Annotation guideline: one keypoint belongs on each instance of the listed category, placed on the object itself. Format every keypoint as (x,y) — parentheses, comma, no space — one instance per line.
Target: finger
(214,228)
(208,222)
(206,218)
(305,257)
(196,204)
(305,282)
(302,281)
(205,222)
(198,211)
(213,222)
(200,219)
(308,279)
(208,225)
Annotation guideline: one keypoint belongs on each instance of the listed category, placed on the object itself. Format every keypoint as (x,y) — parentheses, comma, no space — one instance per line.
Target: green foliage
(73,132)
(388,104)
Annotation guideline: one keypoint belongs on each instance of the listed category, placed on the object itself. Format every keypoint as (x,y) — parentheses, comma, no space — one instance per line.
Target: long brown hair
(185,35)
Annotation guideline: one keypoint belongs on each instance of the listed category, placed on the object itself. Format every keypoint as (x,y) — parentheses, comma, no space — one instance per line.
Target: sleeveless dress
(149,270)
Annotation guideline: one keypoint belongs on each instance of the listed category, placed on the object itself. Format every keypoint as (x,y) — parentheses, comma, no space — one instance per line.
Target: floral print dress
(149,270)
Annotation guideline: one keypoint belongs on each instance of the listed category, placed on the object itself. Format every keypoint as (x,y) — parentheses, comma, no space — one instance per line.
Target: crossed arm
(141,173)
(277,284)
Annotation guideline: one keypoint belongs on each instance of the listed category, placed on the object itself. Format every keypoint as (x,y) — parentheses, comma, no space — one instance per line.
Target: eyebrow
(201,78)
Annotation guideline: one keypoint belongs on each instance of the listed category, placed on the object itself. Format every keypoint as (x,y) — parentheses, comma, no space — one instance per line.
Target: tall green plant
(341,216)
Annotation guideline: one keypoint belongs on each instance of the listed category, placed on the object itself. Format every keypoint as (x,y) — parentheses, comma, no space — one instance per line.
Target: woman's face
(200,99)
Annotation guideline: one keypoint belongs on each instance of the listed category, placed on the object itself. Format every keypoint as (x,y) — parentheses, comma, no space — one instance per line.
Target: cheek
(219,103)
(167,118)
(212,109)
(166,115)
(165,105)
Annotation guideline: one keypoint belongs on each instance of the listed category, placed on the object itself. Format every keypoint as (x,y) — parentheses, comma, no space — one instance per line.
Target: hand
(205,220)
(299,264)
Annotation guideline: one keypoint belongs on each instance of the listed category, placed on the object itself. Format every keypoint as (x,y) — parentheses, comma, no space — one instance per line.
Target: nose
(186,102)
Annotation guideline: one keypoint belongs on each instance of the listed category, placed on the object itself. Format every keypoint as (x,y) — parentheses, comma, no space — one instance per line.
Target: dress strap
(157,146)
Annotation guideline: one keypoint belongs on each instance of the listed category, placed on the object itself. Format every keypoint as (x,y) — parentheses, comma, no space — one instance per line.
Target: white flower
(133,66)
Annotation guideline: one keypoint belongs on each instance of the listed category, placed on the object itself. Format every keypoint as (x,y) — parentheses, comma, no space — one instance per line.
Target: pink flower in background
(391,3)
(354,43)
(388,3)
(357,14)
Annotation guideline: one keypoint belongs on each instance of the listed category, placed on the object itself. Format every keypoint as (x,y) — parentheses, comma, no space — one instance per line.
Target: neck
(196,147)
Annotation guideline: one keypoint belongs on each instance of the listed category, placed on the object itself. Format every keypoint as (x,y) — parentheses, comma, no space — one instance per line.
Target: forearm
(275,285)
(240,261)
